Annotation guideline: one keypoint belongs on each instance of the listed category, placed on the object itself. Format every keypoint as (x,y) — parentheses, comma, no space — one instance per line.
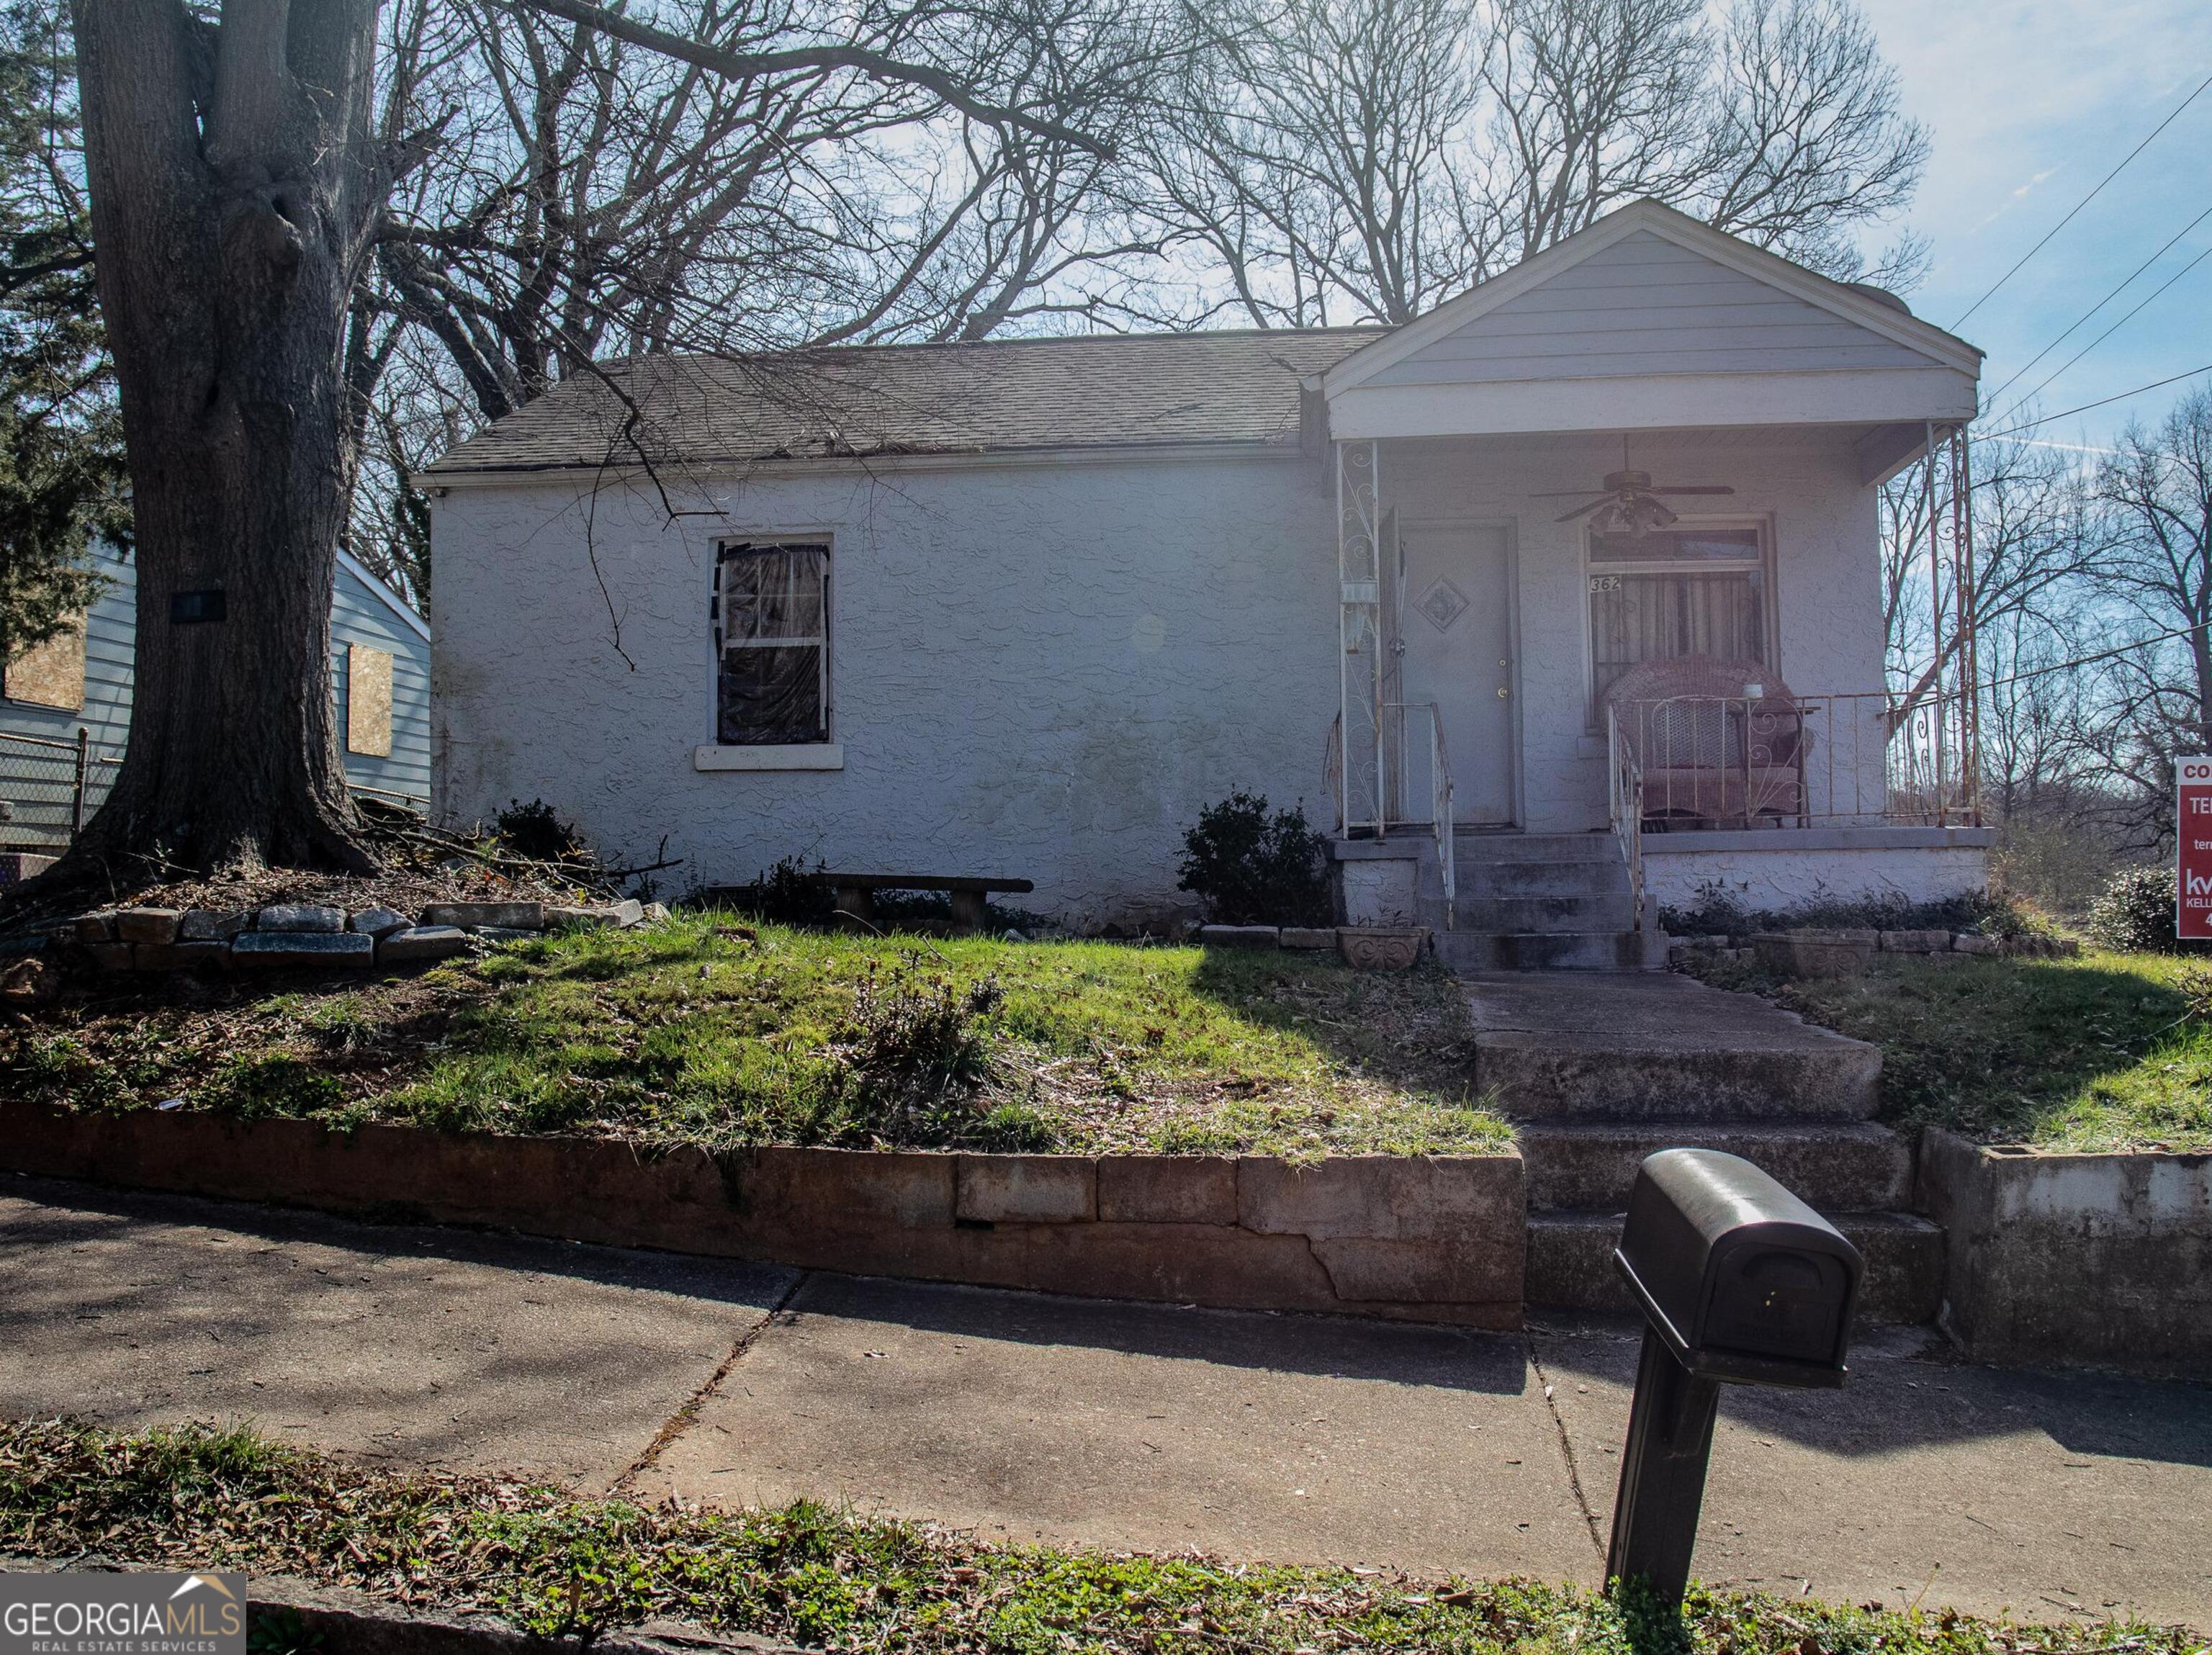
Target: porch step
(1658,1046)
(1598,911)
(1836,1166)
(1571,1263)
(1580,878)
(1475,848)
(1466,951)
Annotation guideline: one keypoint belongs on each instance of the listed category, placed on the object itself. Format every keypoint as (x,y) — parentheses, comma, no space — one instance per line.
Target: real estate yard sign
(2192,817)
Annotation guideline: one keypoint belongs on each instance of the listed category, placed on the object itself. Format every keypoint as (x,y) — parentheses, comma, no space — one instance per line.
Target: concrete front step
(1475,848)
(1578,878)
(1571,1263)
(1658,1046)
(1463,950)
(1838,1166)
(1594,912)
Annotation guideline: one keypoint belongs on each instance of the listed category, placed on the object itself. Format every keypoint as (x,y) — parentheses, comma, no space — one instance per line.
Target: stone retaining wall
(1431,1238)
(308,934)
(2103,1259)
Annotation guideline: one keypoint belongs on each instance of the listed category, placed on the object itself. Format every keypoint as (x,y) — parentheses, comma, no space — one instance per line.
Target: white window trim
(1770,603)
(828,754)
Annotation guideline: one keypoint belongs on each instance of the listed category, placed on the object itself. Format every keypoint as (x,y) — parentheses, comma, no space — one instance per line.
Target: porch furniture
(1719,742)
(856,892)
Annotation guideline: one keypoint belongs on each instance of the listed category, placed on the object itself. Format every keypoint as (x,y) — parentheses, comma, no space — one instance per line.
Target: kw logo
(2196,884)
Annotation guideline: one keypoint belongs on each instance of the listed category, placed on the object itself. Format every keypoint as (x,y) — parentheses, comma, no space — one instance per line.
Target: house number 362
(1604,583)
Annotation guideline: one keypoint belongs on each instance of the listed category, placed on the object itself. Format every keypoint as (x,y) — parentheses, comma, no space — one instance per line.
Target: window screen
(1682,591)
(772,644)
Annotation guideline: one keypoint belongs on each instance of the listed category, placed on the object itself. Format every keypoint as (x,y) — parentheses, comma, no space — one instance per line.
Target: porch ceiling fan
(1629,503)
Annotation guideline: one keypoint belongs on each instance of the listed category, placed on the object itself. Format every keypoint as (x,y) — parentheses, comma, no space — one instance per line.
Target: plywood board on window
(50,674)
(368,701)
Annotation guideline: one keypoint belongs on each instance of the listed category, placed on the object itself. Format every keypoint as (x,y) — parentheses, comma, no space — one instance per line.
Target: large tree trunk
(233,187)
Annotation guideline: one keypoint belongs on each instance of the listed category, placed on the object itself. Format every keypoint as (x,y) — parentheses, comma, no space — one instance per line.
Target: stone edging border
(1427,1239)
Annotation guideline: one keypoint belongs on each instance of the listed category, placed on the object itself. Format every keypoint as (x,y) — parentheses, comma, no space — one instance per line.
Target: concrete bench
(856,892)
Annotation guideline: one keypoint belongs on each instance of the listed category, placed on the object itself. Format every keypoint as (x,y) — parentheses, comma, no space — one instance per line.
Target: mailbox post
(1741,1283)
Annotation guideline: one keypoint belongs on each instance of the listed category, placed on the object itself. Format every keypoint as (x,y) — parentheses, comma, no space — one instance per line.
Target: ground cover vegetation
(551,1563)
(2108,1051)
(716,1030)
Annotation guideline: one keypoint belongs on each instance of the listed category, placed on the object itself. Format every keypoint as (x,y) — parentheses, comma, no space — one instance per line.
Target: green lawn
(550,1563)
(708,1031)
(2108,1051)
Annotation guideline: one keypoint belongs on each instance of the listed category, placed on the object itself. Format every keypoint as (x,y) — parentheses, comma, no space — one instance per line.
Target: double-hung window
(772,644)
(1675,592)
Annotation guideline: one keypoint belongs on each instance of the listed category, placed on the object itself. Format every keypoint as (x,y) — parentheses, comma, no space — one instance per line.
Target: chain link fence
(49,789)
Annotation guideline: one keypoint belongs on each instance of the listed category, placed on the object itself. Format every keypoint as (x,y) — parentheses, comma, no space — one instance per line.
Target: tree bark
(232,184)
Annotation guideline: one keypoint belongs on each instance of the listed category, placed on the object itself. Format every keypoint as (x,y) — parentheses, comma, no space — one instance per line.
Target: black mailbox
(1739,1282)
(1743,1280)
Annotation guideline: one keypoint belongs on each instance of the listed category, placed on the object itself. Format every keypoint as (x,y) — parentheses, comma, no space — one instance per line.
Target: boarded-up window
(772,641)
(368,700)
(50,674)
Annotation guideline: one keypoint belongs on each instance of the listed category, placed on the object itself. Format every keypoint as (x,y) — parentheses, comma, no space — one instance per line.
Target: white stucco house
(1580,568)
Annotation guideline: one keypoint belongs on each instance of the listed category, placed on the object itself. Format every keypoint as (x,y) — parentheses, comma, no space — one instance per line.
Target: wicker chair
(1720,742)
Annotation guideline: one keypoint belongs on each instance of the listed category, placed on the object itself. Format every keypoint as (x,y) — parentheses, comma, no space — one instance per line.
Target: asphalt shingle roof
(1082,392)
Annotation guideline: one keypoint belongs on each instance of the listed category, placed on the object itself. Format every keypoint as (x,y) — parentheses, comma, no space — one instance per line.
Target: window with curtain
(772,644)
(1675,592)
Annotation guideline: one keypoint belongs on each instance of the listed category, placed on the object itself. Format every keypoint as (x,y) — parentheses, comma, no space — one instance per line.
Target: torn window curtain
(774,644)
(1684,599)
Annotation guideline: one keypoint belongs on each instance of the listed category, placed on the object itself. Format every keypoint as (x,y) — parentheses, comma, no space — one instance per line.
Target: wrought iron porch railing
(1797,760)
(1624,797)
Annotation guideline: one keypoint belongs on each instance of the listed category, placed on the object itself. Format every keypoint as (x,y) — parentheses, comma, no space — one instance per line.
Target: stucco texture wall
(1038,672)
(1778,881)
(1827,578)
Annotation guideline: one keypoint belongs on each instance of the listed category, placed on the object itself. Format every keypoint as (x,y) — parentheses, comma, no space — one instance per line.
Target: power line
(2086,200)
(2117,325)
(2118,397)
(2021,371)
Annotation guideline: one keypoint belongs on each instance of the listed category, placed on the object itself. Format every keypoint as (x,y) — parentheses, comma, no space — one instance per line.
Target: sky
(2029,107)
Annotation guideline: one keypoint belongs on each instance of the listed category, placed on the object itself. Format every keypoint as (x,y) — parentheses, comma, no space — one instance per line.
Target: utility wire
(2117,325)
(2117,396)
(2086,200)
(2021,371)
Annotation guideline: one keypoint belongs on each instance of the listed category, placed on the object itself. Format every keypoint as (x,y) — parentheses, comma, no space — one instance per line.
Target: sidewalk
(1282,1437)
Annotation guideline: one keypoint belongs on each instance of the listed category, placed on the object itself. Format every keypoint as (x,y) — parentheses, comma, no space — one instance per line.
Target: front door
(1455,618)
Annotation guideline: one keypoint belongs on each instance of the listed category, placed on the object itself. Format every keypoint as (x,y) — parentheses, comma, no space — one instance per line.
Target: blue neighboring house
(379,675)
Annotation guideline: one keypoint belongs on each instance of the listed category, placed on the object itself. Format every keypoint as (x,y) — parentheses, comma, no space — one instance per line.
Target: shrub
(532,830)
(1253,869)
(2135,913)
(1720,910)
(915,1054)
(789,893)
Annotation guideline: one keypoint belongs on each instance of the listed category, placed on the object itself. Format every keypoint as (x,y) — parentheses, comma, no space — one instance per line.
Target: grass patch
(2104,1052)
(706,1031)
(551,1564)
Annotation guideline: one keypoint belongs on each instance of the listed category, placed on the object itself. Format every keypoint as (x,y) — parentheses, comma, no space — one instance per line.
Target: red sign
(2192,782)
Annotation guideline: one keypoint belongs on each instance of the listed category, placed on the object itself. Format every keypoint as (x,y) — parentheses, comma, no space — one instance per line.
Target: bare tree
(2034,547)
(1360,159)
(2155,573)
(239,177)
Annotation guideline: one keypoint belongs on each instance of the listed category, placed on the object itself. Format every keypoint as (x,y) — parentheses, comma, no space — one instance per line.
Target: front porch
(1611,603)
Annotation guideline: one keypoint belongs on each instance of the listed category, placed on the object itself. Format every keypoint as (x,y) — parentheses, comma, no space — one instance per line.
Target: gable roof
(1877,314)
(402,611)
(1088,391)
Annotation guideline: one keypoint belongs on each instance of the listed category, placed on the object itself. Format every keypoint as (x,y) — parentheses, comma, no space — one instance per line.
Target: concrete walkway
(1255,1436)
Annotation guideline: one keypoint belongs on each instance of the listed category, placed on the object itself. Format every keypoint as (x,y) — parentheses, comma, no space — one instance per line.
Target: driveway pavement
(1256,1436)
